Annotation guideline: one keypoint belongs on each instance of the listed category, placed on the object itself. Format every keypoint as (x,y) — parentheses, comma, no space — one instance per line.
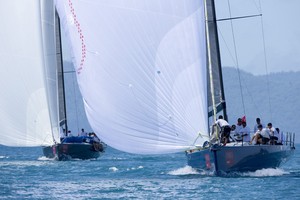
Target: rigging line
(199,135)
(232,58)
(236,58)
(243,17)
(266,63)
(251,96)
(227,47)
(258,7)
(72,71)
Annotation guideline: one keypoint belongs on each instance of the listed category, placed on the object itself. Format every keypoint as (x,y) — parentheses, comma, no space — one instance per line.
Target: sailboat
(32,105)
(150,75)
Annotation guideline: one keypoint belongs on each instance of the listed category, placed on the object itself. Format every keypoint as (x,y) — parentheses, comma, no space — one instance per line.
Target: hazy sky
(281,27)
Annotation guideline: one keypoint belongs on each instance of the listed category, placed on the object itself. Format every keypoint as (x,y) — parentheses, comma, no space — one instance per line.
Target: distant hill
(277,101)
(283,90)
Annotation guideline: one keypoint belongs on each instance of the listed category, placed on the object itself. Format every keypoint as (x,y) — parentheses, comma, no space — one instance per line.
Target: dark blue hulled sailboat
(75,148)
(238,158)
(150,75)
(71,147)
(235,156)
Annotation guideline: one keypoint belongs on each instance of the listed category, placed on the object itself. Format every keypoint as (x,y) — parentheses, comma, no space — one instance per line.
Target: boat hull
(67,151)
(225,159)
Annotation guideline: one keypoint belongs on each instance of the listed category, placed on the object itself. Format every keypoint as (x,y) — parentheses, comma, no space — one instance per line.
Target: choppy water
(25,173)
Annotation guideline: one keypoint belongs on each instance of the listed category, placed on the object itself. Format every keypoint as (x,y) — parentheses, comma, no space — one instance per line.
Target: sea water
(26,174)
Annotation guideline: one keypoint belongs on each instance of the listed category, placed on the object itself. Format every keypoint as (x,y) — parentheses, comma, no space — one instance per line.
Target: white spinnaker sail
(24,87)
(141,68)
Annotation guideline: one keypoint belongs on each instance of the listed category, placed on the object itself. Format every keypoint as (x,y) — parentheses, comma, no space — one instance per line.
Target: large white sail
(141,68)
(26,81)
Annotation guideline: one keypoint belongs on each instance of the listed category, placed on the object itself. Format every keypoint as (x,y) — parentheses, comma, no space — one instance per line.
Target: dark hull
(225,159)
(69,151)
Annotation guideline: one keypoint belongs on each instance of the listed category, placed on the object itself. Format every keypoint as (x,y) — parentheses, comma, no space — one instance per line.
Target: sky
(279,25)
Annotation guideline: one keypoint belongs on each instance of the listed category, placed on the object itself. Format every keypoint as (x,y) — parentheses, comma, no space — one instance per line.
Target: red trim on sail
(79,31)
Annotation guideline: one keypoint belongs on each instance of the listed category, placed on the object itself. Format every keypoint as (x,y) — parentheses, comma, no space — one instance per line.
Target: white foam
(1,157)
(266,172)
(114,169)
(183,171)
(43,158)
(135,168)
(119,159)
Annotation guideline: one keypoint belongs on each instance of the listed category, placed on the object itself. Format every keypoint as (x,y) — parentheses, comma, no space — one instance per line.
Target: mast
(60,73)
(216,88)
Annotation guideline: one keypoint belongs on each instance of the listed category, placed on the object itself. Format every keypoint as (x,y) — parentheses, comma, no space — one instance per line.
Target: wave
(266,172)
(44,158)
(135,168)
(2,157)
(119,158)
(269,172)
(114,169)
(187,170)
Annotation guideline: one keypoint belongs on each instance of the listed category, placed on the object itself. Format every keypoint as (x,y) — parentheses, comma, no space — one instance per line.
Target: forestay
(141,68)
(28,75)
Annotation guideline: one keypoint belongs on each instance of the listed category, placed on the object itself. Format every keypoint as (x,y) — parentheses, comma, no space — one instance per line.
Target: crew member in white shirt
(245,132)
(83,133)
(273,133)
(257,135)
(70,134)
(261,136)
(258,122)
(225,129)
(280,136)
(265,135)
(238,125)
